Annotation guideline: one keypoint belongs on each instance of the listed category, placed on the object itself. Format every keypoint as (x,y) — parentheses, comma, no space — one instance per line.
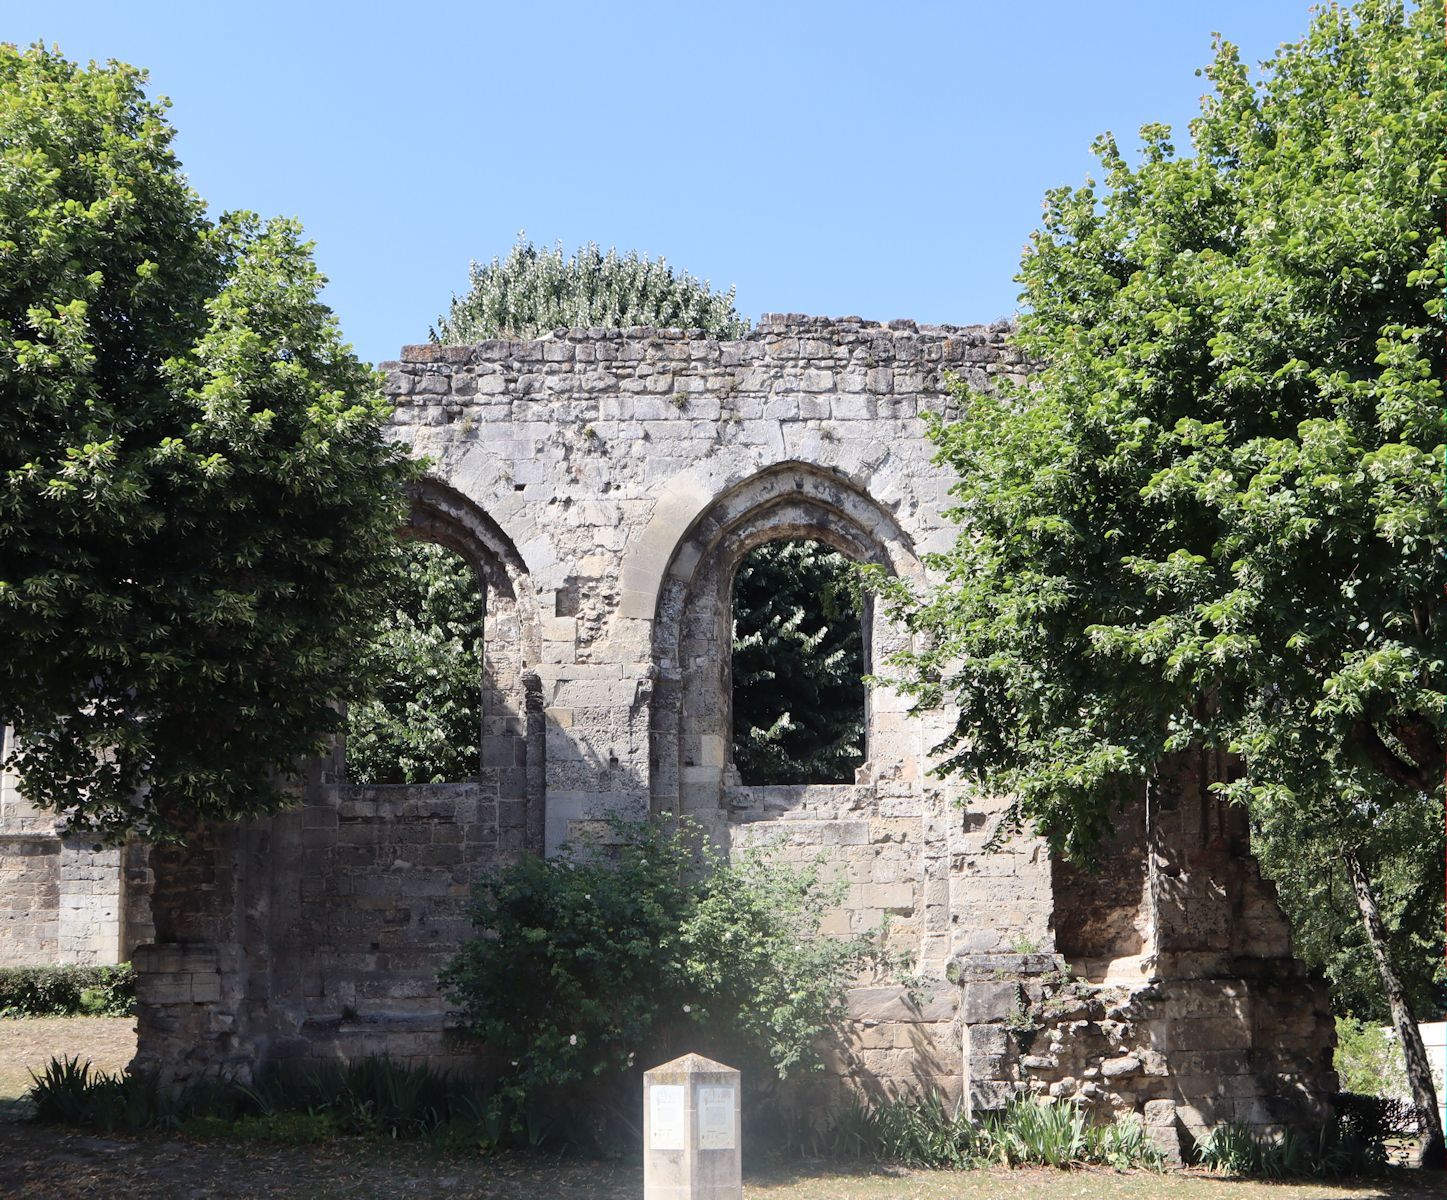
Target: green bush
(1366,1123)
(1369,1059)
(592,965)
(108,991)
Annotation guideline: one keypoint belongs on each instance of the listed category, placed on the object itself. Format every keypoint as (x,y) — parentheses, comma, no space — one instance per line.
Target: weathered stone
(989,1001)
(1114,1068)
(606,485)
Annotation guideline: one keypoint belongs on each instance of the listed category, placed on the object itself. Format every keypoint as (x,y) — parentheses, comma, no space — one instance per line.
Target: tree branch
(1390,764)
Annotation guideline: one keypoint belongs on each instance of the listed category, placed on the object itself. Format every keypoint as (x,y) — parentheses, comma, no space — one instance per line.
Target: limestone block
(984,1001)
(931,1002)
(1114,1068)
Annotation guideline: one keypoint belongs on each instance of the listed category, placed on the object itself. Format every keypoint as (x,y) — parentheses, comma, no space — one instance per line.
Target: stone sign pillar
(691,1131)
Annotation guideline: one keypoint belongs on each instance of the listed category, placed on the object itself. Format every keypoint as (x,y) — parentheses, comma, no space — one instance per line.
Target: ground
(109,1042)
(38,1163)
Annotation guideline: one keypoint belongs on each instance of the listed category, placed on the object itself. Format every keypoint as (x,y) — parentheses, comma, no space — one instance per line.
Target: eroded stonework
(606,485)
(63,900)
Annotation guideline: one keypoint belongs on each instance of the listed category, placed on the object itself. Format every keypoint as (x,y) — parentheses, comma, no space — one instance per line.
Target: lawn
(38,1162)
(28,1045)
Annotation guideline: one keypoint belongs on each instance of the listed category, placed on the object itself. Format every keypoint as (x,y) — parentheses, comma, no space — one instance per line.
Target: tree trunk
(1419,1071)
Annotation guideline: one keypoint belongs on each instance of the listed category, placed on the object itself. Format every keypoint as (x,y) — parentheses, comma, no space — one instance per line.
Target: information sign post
(691,1131)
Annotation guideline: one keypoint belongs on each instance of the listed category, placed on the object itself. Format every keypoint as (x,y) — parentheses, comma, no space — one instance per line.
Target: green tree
(798,666)
(534,291)
(422,721)
(197,502)
(1404,860)
(1215,516)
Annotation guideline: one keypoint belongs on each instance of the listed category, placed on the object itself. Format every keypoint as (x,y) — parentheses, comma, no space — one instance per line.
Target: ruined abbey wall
(63,900)
(606,485)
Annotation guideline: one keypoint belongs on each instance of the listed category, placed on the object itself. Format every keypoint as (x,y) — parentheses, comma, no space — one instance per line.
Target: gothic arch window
(694,766)
(467,616)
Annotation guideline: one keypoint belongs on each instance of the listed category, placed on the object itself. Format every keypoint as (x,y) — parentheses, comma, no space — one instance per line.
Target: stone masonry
(64,900)
(606,485)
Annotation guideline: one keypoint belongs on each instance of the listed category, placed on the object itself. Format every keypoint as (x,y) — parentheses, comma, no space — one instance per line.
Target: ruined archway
(691,768)
(511,728)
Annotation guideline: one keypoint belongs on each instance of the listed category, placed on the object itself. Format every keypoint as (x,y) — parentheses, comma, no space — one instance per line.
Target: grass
(58,1164)
(27,1044)
(47,1163)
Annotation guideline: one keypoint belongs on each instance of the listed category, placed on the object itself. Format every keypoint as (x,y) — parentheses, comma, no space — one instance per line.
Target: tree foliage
(1404,857)
(1215,514)
(534,291)
(798,666)
(196,499)
(422,720)
(1215,517)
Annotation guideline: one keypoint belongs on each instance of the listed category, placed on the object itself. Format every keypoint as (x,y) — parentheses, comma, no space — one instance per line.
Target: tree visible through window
(423,723)
(798,666)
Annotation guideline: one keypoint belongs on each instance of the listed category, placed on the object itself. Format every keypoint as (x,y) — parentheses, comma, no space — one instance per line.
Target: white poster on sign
(715,1118)
(665,1116)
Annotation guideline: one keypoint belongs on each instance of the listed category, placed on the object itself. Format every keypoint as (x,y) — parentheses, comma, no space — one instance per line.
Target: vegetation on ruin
(798,666)
(1214,518)
(592,965)
(798,643)
(197,504)
(422,720)
(536,290)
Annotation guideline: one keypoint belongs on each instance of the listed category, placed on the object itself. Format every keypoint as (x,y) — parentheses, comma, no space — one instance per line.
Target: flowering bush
(593,965)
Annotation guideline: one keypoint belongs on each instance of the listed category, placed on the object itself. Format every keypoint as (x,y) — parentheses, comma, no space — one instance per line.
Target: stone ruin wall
(606,485)
(64,901)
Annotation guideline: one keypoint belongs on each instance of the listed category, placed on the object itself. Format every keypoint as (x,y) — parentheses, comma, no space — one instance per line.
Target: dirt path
(37,1163)
(27,1045)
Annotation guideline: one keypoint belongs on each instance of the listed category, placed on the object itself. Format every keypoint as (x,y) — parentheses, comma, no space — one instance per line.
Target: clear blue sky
(830,158)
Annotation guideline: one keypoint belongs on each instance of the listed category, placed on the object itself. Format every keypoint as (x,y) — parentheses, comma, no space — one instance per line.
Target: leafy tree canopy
(533,291)
(197,503)
(422,722)
(1215,516)
(798,666)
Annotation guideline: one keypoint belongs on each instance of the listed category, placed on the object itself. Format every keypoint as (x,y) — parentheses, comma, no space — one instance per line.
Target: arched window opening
(798,666)
(424,722)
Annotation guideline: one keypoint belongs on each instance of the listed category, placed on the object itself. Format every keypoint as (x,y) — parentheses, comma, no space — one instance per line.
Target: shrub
(372,1097)
(69,1092)
(1369,1059)
(106,991)
(1352,1145)
(592,965)
(1029,1132)
(1365,1124)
